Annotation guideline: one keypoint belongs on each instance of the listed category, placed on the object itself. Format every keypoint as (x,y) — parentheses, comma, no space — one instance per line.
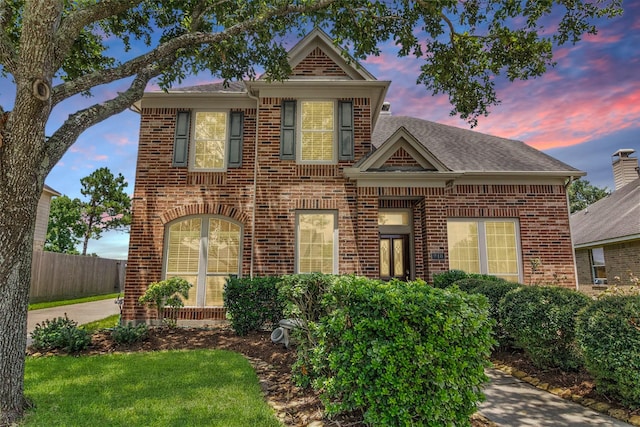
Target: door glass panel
(385,267)
(398,258)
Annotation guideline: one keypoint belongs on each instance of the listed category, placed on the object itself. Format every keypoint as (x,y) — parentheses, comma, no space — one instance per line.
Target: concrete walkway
(82,313)
(512,402)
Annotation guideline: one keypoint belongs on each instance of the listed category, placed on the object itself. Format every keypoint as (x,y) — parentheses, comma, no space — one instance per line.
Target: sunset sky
(580,112)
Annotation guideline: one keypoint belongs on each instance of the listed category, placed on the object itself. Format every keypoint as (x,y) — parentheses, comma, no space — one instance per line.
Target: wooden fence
(55,276)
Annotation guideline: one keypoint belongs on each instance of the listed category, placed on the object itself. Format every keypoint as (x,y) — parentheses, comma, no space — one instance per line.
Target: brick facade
(620,260)
(265,193)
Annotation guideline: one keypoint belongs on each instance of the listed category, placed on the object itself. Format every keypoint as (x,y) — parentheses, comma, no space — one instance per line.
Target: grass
(50,304)
(169,388)
(106,323)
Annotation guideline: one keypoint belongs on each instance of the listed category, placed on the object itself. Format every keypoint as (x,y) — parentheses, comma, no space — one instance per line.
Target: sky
(581,111)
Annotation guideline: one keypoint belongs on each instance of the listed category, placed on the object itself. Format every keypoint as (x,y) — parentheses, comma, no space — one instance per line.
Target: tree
(108,207)
(583,194)
(65,218)
(56,49)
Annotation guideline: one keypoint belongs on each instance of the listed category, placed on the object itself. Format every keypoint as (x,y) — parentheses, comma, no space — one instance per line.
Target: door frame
(386,230)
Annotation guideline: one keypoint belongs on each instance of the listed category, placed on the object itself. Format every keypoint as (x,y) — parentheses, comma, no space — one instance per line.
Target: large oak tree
(55,49)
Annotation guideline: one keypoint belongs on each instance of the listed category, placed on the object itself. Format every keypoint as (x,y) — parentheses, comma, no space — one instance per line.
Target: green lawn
(49,304)
(172,388)
(106,323)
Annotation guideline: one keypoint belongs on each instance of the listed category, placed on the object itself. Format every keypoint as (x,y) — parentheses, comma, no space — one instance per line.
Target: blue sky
(580,112)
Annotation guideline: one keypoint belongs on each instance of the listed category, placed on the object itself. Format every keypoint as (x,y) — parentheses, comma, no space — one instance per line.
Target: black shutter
(181,139)
(345,130)
(236,119)
(288,131)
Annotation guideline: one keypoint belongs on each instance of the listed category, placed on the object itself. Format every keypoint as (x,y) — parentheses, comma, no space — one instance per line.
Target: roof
(463,150)
(611,219)
(219,87)
(47,189)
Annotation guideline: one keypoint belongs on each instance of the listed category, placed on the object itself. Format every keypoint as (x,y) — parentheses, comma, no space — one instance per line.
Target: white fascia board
(598,243)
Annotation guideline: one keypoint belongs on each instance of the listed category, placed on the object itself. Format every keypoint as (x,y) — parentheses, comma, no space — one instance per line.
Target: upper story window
(208,140)
(317,131)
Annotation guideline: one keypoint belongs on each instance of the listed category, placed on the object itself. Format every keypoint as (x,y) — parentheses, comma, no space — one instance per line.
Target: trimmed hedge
(541,320)
(252,303)
(402,353)
(448,278)
(609,334)
(495,292)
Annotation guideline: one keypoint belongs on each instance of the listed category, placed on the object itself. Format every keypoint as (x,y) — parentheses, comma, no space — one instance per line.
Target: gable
(402,160)
(316,56)
(318,64)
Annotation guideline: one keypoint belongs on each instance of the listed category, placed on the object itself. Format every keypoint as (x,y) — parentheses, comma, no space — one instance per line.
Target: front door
(394,257)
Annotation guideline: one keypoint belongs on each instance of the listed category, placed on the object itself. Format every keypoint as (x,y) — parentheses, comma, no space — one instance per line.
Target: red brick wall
(402,159)
(317,63)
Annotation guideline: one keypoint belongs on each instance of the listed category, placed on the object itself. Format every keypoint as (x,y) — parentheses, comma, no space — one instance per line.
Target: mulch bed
(295,406)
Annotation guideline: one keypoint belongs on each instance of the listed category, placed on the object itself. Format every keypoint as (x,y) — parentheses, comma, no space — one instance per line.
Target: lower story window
(598,268)
(486,247)
(316,238)
(205,251)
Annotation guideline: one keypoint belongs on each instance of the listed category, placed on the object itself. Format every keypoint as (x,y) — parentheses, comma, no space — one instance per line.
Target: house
(42,217)
(314,174)
(606,235)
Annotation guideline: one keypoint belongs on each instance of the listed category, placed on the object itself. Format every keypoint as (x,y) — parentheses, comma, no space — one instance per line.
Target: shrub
(252,303)
(541,320)
(446,279)
(402,353)
(495,291)
(129,334)
(60,333)
(472,281)
(303,295)
(609,334)
(166,293)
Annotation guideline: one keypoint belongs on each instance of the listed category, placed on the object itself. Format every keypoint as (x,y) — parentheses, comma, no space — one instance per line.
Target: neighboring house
(606,235)
(314,174)
(42,217)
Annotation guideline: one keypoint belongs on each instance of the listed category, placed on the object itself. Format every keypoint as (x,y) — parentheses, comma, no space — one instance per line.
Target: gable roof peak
(317,38)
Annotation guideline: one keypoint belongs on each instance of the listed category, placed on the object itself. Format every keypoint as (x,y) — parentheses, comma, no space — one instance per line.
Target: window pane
(190,301)
(393,218)
(385,267)
(598,256)
(184,247)
(502,256)
(398,258)
(209,136)
(317,130)
(315,243)
(224,246)
(463,246)
(214,290)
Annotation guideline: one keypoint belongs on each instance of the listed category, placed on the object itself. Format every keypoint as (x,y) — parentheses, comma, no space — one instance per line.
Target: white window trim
(192,142)
(335,237)
(200,286)
(482,242)
(299,160)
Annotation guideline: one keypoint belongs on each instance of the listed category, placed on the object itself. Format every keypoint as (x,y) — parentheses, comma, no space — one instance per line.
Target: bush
(609,334)
(495,291)
(129,334)
(402,353)
(541,320)
(472,281)
(166,293)
(448,278)
(252,303)
(304,296)
(60,333)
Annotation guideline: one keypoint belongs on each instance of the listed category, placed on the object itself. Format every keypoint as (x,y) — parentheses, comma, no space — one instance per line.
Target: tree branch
(7,50)
(66,135)
(169,48)
(72,25)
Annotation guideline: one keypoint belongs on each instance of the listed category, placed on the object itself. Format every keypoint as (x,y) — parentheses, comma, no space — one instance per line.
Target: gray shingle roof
(466,150)
(613,217)
(233,87)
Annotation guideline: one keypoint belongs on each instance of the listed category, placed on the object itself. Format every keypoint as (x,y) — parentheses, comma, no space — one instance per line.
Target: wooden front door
(394,257)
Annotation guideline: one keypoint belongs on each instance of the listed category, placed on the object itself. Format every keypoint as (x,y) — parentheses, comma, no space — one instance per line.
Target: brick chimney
(625,168)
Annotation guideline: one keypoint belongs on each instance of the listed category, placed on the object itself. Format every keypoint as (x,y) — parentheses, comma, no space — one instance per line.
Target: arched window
(204,250)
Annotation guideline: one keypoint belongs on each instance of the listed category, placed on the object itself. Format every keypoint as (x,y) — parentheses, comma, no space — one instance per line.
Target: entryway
(394,257)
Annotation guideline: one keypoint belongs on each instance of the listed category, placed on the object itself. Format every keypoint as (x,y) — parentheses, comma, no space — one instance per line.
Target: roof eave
(602,242)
